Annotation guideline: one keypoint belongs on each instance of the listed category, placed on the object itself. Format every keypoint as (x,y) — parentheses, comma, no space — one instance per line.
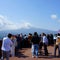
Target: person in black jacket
(35,45)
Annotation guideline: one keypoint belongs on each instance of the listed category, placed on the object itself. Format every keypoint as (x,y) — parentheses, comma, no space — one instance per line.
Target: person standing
(6,46)
(45,43)
(18,42)
(57,45)
(29,40)
(40,44)
(35,45)
(13,46)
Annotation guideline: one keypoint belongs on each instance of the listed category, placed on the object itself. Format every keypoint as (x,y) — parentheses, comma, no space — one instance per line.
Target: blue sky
(15,14)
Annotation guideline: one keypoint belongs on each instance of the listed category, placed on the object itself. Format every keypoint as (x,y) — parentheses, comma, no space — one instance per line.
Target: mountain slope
(26,31)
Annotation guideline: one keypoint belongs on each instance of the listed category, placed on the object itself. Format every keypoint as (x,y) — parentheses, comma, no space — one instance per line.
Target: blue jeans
(5,54)
(35,49)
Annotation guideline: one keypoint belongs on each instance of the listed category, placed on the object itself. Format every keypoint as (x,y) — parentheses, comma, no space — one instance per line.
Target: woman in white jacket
(13,46)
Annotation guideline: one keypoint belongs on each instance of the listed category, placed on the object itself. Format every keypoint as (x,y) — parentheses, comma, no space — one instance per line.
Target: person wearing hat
(57,45)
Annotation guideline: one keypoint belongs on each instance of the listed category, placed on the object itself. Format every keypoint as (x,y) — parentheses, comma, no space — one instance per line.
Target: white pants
(13,51)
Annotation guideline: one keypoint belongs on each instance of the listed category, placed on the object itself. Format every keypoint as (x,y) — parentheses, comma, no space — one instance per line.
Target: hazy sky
(15,14)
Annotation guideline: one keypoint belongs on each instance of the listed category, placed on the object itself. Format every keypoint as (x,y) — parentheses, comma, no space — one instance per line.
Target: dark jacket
(35,40)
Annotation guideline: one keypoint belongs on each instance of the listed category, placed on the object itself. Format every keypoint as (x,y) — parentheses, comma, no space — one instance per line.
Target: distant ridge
(26,31)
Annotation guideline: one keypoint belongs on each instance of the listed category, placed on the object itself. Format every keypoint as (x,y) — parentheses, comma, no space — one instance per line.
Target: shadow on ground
(50,56)
(20,54)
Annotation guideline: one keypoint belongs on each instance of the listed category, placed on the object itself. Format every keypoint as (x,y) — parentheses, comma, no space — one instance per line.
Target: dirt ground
(25,54)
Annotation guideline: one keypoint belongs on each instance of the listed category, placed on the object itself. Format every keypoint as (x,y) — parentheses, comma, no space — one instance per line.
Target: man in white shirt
(45,43)
(55,37)
(6,46)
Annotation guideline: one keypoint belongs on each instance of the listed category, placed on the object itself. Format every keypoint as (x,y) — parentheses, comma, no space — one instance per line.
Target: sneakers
(36,56)
(1,58)
(33,56)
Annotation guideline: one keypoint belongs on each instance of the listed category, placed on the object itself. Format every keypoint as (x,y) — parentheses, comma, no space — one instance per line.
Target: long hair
(35,34)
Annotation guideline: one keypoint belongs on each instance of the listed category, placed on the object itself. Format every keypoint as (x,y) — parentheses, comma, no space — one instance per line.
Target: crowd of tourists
(13,43)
